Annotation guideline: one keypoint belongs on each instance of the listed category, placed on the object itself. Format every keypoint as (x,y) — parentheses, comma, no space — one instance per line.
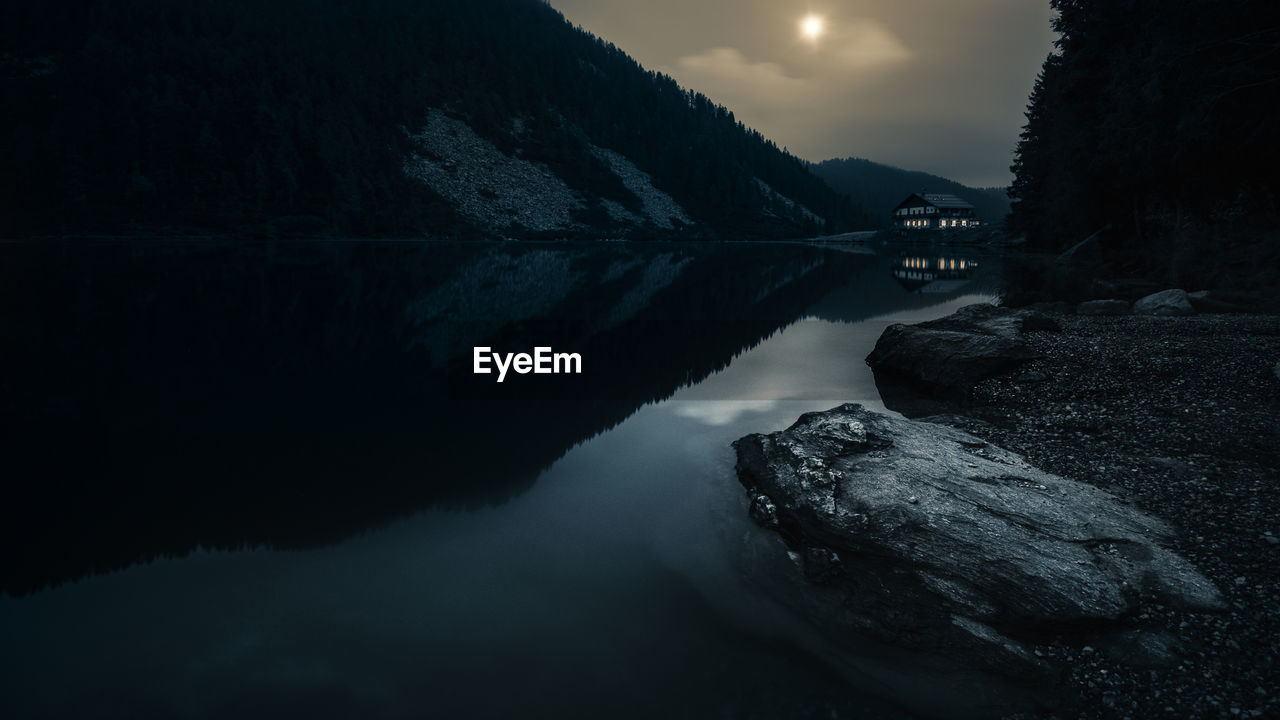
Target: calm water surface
(572,549)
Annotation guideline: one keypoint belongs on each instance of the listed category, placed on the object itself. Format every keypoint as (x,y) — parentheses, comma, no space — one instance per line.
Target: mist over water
(605,580)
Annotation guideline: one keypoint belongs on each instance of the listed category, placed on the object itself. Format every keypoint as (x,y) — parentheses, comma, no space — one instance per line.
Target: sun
(812,27)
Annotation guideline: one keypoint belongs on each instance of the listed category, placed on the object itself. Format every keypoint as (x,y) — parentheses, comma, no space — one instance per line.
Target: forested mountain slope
(879,188)
(1156,123)
(457,118)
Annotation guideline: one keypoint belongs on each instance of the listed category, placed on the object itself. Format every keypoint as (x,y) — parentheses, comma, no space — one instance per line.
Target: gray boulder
(922,535)
(1165,303)
(948,356)
(1205,301)
(1103,307)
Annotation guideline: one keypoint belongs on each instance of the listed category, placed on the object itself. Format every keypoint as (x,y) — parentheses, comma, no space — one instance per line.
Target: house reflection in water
(933,275)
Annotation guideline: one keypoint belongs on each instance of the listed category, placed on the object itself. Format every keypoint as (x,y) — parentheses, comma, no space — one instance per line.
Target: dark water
(257,481)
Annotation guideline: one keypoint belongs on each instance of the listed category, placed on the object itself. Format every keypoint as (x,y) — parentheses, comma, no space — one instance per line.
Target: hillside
(879,188)
(450,118)
(1154,125)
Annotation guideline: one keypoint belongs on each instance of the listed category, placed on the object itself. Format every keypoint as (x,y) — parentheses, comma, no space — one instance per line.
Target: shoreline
(1179,417)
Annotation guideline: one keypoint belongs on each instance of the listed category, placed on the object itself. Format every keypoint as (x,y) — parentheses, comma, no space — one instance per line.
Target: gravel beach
(1180,416)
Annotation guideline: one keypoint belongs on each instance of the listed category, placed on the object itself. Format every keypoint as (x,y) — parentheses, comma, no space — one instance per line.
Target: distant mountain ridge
(452,118)
(879,188)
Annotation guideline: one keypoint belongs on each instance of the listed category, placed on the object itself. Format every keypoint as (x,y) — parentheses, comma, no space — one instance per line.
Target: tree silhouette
(293,117)
(1152,119)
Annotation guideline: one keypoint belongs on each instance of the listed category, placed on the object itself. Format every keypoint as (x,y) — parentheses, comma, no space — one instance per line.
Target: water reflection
(168,397)
(613,585)
(934,275)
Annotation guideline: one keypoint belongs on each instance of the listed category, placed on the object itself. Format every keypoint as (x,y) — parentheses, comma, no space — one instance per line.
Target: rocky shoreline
(1175,417)
(930,537)
(1179,416)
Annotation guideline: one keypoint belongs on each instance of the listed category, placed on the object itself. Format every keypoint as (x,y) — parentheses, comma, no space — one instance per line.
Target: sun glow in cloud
(926,84)
(812,27)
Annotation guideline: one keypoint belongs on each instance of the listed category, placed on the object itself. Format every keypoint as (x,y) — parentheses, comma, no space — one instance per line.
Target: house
(933,211)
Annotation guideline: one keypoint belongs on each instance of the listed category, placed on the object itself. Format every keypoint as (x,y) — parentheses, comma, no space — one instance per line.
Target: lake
(261,480)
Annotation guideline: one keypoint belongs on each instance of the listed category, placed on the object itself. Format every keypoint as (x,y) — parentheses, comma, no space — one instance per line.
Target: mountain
(451,118)
(879,188)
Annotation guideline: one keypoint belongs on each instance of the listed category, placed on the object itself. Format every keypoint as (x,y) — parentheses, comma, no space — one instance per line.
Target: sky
(933,85)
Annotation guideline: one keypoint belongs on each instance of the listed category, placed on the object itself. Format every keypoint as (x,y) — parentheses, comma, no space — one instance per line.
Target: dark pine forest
(1156,124)
(293,118)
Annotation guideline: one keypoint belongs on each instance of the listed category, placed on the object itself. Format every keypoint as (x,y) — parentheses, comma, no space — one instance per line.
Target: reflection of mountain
(160,398)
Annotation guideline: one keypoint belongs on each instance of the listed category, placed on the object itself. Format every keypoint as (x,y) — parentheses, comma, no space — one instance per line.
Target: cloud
(936,85)
(852,53)
(718,413)
(862,43)
(727,71)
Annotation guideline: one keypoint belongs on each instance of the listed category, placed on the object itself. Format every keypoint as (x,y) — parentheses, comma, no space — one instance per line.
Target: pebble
(1133,380)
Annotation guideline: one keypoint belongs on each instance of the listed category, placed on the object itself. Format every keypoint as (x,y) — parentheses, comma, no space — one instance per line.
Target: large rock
(946,357)
(1103,307)
(1206,301)
(923,535)
(1167,302)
